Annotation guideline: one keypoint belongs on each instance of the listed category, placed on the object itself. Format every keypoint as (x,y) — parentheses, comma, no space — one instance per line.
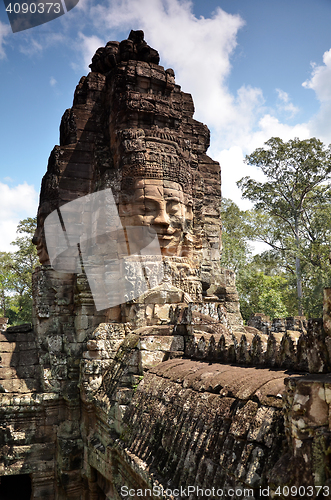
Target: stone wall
(208,426)
(309,352)
(33,423)
(182,423)
(163,377)
(278,325)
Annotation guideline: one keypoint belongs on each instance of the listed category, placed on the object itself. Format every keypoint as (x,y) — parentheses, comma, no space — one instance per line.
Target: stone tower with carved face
(130,136)
(131,130)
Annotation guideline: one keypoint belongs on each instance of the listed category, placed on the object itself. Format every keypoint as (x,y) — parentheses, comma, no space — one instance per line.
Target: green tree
(25,260)
(260,293)
(296,188)
(6,282)
(16,275)
(261,281)
(25,257)
(236,249)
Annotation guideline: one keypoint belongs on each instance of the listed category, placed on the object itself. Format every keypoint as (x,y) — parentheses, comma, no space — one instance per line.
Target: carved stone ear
(189,212)
(124,209)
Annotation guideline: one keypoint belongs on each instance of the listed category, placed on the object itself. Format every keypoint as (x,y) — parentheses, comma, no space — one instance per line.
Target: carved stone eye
(173,207)
(150,206)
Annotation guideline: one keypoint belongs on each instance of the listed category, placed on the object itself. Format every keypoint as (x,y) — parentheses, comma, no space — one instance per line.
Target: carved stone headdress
(156,156)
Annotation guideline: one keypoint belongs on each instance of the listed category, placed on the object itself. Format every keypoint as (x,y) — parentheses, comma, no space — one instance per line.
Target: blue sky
(255,68)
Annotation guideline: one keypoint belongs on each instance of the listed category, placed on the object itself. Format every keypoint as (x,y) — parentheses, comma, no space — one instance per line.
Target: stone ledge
(25,328)
(244,383)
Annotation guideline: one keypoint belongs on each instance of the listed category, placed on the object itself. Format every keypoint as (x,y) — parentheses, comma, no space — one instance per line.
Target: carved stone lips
(165,238)
(165,234)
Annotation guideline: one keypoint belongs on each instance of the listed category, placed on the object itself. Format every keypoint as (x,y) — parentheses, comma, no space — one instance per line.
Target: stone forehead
(145,183)
(157,188)
(158,172)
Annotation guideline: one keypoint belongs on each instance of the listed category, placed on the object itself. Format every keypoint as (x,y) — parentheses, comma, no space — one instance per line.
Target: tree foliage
(16,275)
(292,208)
(6,281)
(236,248)
(261,293)
(261,283)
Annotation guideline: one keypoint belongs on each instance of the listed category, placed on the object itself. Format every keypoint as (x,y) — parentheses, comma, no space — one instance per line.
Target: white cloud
(269,126)
(320,83)
(87,46)
(233,169)
(286,104)
(320,79)
(240,121)
(231,159)
(4,32)
(52,81)
(32,47)
(17,203)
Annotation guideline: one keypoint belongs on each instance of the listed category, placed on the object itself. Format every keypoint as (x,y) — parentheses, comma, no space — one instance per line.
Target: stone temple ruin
(166,392)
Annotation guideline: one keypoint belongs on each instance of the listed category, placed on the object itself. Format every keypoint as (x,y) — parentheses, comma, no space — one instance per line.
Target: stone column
(307,422)
(43,485)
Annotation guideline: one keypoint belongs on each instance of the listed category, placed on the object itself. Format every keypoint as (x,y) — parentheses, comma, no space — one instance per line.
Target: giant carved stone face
(154,203)
(163,206)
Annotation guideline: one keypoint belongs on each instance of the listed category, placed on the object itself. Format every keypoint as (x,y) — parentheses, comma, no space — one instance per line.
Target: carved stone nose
(162,218)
